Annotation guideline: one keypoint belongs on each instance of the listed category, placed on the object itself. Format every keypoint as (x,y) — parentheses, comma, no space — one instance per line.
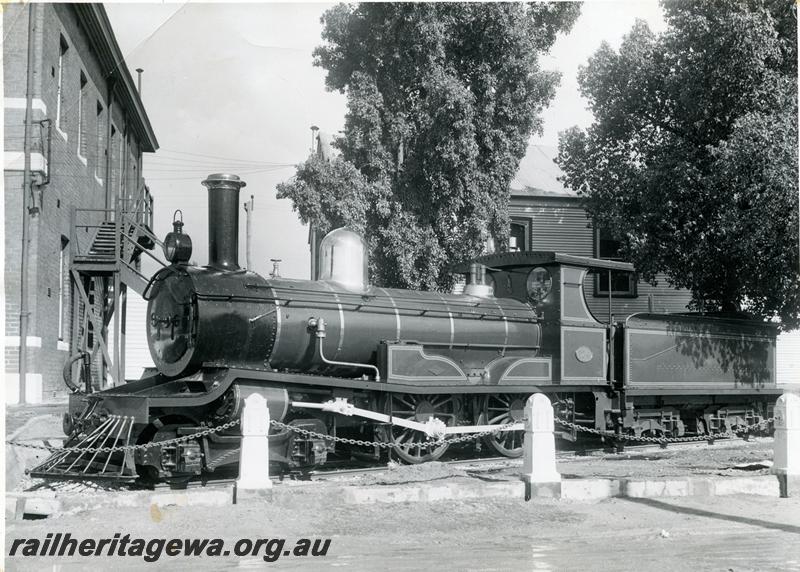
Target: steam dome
(343,259)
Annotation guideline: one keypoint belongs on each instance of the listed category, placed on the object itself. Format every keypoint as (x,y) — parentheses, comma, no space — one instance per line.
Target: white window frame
(121,176)
(98,141)
(63,47)
(81,116)
(62,287)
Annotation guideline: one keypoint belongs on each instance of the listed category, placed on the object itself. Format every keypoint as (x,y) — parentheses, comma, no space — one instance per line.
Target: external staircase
(106,249)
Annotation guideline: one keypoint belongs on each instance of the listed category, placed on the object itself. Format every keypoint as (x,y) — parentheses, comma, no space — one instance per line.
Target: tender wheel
(414,446)
(501,410)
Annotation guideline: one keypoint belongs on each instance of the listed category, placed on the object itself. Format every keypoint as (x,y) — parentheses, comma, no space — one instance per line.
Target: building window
(99,166)
(121,176)
(623,284)
(519,235)
(63,285)
(62,54)
(130,183)
(112,148)
(82,118)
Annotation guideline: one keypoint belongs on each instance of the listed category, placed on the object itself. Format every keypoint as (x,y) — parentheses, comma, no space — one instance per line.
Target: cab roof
(540,258)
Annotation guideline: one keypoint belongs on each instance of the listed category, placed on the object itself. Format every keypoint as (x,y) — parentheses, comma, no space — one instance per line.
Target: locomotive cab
(553,284)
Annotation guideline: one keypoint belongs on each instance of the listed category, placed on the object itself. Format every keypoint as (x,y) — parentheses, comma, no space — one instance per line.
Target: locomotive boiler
(402,358)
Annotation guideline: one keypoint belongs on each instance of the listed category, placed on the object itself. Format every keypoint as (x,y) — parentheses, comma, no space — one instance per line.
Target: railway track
(470,464)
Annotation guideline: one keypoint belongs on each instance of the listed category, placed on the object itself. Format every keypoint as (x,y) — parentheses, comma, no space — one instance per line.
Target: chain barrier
(276,424)
(389,445)
(763,424)
(119,448)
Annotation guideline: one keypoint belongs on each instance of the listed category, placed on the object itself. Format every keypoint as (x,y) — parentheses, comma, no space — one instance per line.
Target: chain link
(660,440)
(276,424)
(119,448)
(388,445)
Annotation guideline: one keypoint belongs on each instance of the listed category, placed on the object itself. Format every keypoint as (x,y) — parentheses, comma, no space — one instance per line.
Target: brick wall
(77,177)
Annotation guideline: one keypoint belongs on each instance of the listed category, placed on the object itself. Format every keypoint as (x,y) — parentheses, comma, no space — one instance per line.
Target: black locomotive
(219,333)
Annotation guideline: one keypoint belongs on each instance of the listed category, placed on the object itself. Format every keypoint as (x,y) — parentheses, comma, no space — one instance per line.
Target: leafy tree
(441,101)
(692,156)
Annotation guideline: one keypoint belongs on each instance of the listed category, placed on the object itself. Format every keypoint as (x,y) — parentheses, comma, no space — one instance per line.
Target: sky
(232,88)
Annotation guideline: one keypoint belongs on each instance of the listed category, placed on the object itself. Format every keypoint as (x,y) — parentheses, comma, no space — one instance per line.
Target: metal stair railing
(106,246)
(133,225)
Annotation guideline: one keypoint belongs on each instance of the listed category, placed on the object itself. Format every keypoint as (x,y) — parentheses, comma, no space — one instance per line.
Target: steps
(104,245)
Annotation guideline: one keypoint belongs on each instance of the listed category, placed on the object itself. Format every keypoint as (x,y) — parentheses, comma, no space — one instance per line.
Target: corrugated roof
(537,175)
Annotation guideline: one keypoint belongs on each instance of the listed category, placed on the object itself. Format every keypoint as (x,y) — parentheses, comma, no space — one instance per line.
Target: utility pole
(27,190)
(248,208)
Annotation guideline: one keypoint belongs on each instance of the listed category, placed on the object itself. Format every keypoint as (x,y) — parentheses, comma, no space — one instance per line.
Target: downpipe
(86,373)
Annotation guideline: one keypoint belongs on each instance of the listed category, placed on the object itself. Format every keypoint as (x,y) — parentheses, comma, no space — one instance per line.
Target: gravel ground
(724,458)
(732,533)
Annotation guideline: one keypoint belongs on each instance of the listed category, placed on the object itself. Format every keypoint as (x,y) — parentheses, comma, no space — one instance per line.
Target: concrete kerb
(575,490)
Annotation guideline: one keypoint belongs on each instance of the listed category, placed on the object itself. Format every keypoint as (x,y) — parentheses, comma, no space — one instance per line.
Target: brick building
(89,130)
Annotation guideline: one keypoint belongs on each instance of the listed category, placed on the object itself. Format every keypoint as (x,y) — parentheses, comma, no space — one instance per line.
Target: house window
(62,53)
(623,284)
(519,235)
(63,285)
(82,118)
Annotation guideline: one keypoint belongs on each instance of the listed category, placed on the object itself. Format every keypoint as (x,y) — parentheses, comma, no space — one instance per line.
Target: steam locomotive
(400,359)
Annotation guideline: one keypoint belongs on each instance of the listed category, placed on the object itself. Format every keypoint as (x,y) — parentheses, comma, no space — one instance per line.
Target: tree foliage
(441,101)
(692,157)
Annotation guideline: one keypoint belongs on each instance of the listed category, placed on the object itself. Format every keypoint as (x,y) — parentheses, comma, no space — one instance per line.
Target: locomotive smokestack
(223,220)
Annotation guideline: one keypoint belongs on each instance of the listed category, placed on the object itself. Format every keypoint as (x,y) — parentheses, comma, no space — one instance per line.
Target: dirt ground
(17,416)
(724,458)
(731,533)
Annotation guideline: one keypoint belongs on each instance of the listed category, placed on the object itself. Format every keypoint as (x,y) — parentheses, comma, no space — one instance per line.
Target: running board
(433,427)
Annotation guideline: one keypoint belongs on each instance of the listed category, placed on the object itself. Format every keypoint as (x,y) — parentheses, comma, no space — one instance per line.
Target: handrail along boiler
(218,333)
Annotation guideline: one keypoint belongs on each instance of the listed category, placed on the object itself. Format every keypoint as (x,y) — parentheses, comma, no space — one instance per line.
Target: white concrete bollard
(539,463)
(786,458)
(254,455)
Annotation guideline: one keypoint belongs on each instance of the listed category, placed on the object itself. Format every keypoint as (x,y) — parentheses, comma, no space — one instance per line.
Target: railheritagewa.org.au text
(152,550)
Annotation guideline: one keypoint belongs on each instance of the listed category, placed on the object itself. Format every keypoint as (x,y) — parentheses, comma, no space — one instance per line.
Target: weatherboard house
(545,215)
(87,131)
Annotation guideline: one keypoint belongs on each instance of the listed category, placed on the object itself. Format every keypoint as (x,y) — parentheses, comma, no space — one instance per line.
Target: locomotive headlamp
(177,246)
(539,284)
